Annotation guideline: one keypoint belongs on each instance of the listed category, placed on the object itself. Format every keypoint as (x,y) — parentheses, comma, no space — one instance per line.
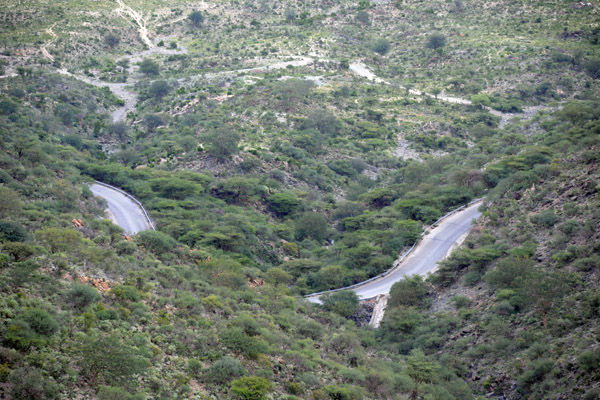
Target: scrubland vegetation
(269,181)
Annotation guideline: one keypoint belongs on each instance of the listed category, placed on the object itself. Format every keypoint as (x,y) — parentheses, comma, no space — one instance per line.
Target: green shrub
(283,203)
(126,292)
(592,67)
(342,167)
(344,303)
(589,360)
(546,219)
(117,393)
(381,46)
(569,227)
(344,392)
(32,328)
(312,225)
(410,291)
(251,388)
(235,339)
(535,374)
(224,370)
(310,329)
(40,321)
(436,41)
(81,296)
(148,67)
(30,384)
(59,239)
(8,107)
(194,367)
(460,301)
(12,232)
(156,242)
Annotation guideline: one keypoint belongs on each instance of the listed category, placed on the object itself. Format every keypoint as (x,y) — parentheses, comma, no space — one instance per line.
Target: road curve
(126,213)
(433,248)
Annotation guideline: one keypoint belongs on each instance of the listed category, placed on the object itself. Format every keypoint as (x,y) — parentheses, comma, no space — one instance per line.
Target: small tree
(436,41)
(344,303)
(592,67)
(156,241)
(10,202)
(30,383)
(59,239)
(108,359)
(421,370)
(321,120)
(80,295)
(196,18)
(312,225)
(119,129)
(411,291)
(222,143)
(112,40)
(159,89)
(283,203)
(381,46)
(12,232)
(148,67)
(290,14)
(363,17)
(152,121)
(291,92)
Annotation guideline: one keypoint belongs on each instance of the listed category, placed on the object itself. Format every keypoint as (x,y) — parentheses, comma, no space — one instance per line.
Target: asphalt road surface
(124,211)
(433,248)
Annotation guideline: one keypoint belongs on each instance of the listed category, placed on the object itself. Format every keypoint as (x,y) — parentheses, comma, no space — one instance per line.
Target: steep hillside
(283,149)
(516,310)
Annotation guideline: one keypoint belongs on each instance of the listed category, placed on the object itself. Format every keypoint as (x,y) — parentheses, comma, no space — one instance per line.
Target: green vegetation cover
(286,148)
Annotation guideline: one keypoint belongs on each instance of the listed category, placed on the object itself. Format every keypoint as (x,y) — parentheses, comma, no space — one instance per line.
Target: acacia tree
(159,89)
(108,359)
(344,303)
(222,143)
(112,40)
(311,225)
(148,67)
(411,291)
(196,18)
(436,41)
(544,290)
(381,46)
(421,370)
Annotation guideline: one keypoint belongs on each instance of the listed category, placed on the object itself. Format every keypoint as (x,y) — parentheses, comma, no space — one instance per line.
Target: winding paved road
(433,248)
(122,209)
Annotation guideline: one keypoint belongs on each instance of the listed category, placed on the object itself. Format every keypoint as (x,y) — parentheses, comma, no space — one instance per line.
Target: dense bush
(12,232)
(344,303)
(81,296)
(224,370)
(411,291)
(251,388)
(155,241)
(312,225)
